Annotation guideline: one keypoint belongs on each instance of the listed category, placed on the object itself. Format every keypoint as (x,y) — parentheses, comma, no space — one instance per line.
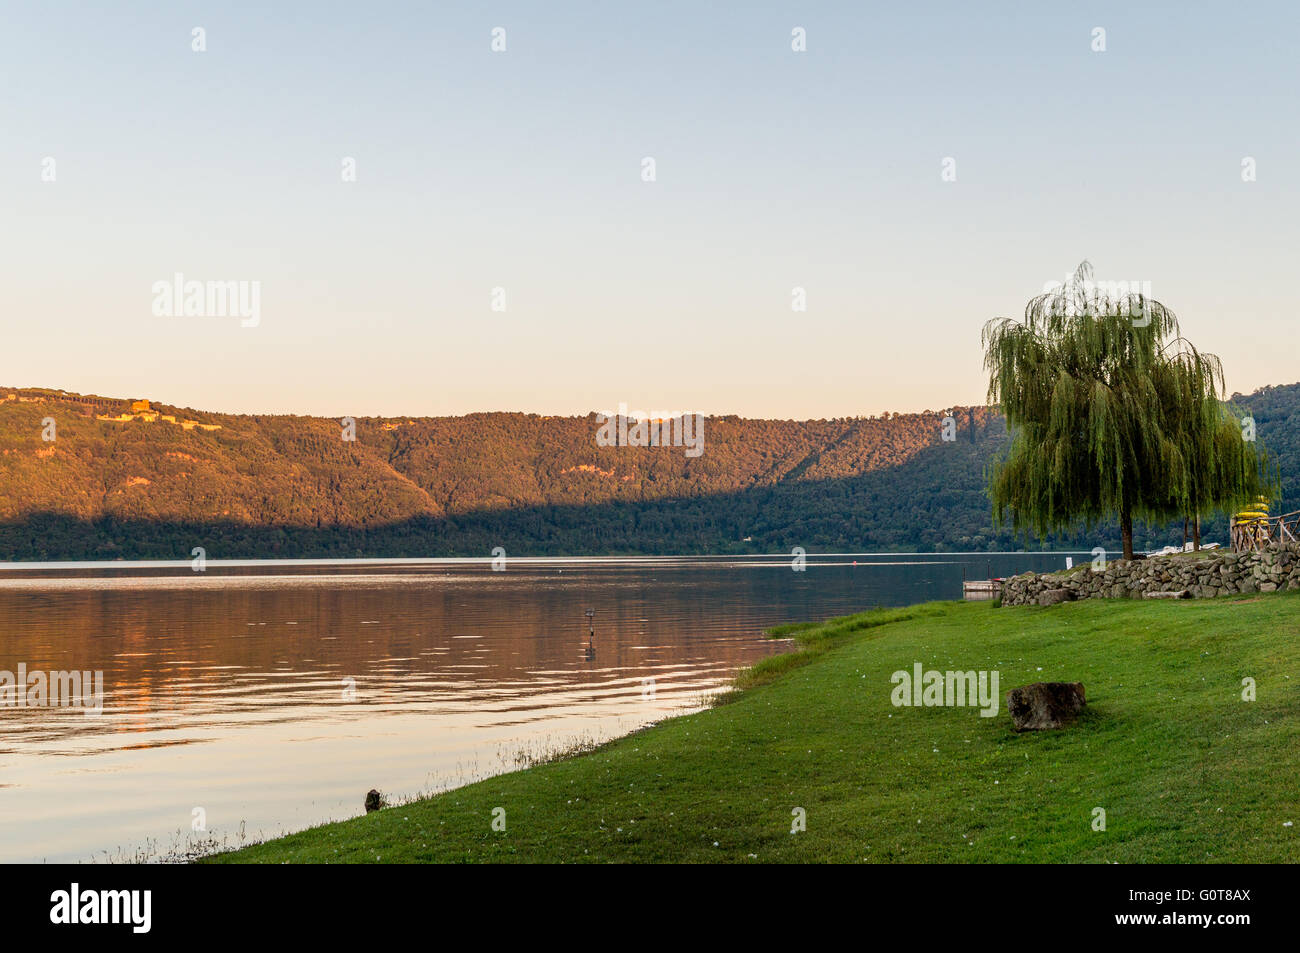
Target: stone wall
(1212,573)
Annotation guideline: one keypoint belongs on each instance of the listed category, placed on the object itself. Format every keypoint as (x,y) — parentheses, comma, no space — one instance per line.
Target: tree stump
(1043,706)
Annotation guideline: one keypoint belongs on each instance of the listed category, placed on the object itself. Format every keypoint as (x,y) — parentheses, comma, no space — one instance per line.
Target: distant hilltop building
(140,410)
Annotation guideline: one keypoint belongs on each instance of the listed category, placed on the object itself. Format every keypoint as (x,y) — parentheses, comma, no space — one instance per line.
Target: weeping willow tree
(1113,414)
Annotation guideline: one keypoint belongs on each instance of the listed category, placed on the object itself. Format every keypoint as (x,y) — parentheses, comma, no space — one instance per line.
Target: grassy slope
(1185,769)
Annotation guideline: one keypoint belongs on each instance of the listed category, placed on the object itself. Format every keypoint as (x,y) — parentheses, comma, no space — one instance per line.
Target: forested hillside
(1277,416)
(157,485)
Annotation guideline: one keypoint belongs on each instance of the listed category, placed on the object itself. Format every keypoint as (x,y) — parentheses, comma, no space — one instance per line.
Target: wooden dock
(1250,533)
(981,588)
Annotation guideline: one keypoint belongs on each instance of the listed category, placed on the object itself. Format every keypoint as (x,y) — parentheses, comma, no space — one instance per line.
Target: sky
(523,170)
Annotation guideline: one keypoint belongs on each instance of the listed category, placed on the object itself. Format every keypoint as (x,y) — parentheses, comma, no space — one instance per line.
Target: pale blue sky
(521,170)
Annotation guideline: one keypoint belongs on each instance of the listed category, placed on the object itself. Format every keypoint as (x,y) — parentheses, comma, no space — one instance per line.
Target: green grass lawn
(1185,769)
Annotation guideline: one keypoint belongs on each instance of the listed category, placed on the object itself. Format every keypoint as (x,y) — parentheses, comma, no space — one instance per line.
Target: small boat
(1185,548)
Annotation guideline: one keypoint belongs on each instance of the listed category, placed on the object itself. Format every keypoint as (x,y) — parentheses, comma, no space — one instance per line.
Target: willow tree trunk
(1196,532)
(1126,530)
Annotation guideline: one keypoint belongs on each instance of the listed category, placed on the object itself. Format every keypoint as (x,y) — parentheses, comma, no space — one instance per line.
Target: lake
(257,698)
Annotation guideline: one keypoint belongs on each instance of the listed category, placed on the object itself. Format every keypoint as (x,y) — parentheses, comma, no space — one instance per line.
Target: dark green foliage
(1114,415)
(1277,416)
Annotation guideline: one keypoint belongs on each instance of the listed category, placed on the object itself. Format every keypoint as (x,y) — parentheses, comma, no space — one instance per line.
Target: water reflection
(273,698)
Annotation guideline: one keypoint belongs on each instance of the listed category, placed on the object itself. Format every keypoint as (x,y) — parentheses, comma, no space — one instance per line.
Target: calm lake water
(262,698)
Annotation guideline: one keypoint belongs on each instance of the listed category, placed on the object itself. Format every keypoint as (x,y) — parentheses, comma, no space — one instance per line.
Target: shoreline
(97,564)
(813,730)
